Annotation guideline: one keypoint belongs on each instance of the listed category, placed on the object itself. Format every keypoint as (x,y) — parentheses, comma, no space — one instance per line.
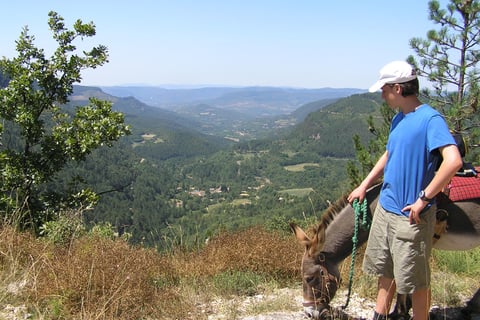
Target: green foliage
(321,131)
(106,230)
(367,156)
(47,137)
(66,228)
(278,223)
(459,262)
(448,58)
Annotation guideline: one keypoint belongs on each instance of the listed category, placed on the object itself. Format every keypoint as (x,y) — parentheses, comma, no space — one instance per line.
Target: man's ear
(398,88)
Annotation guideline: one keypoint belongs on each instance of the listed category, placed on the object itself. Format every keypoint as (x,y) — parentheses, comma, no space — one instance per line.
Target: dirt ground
(358,308)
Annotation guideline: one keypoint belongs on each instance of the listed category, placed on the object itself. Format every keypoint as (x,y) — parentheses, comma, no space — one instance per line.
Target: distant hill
(212,126)
(301,113)
(328,131)
(156,131)
(255,101)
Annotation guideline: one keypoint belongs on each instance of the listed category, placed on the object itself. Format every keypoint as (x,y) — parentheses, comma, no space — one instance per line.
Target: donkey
(332,243)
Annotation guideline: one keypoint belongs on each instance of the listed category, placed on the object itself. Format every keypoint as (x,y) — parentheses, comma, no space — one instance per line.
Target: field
(299,192)
(301,166)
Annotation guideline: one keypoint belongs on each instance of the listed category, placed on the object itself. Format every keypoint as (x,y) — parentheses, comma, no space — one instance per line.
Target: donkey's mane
(330,213)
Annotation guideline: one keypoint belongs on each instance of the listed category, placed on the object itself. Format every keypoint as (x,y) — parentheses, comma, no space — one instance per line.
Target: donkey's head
(319,283)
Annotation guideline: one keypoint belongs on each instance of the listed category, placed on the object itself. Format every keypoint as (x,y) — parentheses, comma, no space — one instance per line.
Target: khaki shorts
(401,251)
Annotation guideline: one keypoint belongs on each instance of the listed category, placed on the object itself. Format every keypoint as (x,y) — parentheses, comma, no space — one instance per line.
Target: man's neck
(410,104)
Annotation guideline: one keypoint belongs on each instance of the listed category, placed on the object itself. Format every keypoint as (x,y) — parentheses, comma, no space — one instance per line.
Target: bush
(63,230)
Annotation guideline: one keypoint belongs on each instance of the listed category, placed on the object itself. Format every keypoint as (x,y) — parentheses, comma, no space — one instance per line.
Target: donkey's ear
(300,235)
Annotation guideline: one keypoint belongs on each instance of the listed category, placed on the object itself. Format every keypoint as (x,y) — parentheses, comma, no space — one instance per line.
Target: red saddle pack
(464,187)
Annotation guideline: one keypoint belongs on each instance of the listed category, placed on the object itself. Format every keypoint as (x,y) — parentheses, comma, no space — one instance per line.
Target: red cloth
(464,188)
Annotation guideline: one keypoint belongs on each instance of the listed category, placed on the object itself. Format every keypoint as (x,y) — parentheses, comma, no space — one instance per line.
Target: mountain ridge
(259,100)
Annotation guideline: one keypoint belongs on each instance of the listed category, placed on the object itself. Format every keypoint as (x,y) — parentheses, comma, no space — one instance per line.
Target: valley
(180,177)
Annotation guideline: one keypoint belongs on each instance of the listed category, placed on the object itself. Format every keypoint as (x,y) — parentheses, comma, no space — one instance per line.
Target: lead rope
(358,209)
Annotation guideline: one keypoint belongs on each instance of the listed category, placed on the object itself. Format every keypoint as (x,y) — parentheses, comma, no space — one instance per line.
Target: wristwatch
(423,197)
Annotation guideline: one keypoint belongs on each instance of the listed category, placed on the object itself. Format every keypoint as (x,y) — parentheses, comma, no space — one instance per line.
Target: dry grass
(254,250)
(95,278)
(99,278)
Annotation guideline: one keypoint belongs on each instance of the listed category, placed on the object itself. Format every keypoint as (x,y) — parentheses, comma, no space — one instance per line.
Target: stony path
(288,301)
(250,308)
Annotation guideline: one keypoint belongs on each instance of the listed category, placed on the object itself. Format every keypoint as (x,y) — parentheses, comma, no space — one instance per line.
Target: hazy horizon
(307,44)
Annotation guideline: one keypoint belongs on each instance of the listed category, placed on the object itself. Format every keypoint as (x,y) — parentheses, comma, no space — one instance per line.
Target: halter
(319,307)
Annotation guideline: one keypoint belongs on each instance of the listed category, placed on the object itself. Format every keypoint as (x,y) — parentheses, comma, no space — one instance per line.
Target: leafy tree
(43,136)
(448,58)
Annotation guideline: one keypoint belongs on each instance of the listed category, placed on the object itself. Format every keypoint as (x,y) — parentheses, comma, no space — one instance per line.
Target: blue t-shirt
(412,156)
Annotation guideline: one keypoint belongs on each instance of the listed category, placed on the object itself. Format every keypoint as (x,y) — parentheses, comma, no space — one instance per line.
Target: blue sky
(303,43)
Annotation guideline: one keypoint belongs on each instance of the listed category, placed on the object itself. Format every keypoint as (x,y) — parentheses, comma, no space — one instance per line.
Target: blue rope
(365,223)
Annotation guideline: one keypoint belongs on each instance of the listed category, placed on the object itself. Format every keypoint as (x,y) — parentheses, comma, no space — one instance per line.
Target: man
(400,240)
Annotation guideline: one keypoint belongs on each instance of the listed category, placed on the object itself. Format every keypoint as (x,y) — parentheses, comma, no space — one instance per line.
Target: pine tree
(448,58)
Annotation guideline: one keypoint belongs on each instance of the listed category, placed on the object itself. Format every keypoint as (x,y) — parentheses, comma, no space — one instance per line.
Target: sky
(281,43)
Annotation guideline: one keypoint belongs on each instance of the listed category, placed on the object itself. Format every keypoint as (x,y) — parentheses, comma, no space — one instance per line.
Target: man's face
(390,92)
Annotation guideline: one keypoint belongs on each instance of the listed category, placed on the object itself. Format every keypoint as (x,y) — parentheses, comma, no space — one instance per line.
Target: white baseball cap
(394,72)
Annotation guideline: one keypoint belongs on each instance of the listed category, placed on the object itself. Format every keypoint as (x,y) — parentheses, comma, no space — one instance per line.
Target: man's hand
(359,193)
(415,210)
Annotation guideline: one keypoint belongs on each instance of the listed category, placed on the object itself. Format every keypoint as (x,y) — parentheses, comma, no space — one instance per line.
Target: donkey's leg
(403,304)
(473,306)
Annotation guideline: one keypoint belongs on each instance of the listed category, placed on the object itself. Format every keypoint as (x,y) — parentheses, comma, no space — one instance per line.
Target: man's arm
(375,174)
(452,161)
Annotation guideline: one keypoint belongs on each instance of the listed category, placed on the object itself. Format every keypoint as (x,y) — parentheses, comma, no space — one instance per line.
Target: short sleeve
(438,134)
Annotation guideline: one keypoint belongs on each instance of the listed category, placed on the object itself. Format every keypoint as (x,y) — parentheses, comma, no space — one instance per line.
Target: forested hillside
(157,133)
(168,184)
